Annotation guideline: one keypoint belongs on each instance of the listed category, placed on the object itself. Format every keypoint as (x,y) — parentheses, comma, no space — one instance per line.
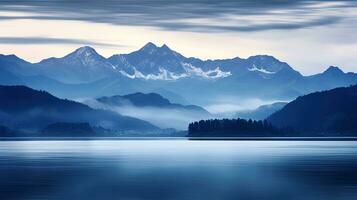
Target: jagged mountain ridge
(150,63)
(161,63)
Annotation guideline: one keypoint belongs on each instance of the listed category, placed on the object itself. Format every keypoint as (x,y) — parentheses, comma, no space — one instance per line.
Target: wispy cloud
(188,15)
(48,40)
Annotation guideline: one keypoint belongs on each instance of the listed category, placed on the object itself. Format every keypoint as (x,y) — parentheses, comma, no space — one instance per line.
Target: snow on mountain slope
(190,71)
(262,70)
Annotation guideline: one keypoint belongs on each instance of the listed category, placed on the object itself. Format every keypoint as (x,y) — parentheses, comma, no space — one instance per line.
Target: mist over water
(229,106)
(161,117)
(178,169)
(221,107)
(164,118)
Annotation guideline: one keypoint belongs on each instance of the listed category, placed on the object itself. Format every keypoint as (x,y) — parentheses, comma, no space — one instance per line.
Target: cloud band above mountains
(47,40)
(196,15)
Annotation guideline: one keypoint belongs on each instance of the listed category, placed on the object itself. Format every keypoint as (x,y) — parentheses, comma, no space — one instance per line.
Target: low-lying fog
(229,106)
(161,117)
(178,118)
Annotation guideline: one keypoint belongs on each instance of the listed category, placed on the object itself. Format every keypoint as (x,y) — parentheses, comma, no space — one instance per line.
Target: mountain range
(85,73)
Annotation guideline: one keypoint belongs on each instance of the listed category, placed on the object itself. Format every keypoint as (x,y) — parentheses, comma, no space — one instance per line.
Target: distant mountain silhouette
(17,66)
(137,99)
(262,112)
(332,112)
(31,110)
(331,78)
(148,100)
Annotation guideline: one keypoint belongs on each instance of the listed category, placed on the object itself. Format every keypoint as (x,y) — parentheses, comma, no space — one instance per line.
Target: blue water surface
(178,169)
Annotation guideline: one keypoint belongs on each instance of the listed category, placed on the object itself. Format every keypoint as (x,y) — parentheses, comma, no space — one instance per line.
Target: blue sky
(309,35)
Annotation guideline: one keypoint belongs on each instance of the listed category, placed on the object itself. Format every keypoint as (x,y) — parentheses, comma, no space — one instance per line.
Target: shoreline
(182,138)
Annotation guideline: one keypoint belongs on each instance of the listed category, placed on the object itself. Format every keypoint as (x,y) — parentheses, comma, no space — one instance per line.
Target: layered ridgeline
(262,112)
(30,111)
(327,113)
(152,107)
(148,100)
(85,73)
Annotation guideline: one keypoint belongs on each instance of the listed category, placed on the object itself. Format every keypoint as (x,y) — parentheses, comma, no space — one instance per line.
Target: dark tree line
(232,127)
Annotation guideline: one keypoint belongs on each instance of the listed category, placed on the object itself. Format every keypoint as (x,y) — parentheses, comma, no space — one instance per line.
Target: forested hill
(332,112)
(23,108)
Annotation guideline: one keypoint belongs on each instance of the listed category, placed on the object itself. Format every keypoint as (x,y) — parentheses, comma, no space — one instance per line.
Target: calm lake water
(178,169)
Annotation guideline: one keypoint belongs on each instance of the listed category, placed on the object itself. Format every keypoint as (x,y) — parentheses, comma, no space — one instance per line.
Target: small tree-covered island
(233,128)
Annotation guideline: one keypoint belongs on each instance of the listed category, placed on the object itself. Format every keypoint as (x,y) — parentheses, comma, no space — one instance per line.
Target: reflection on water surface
(178,169)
